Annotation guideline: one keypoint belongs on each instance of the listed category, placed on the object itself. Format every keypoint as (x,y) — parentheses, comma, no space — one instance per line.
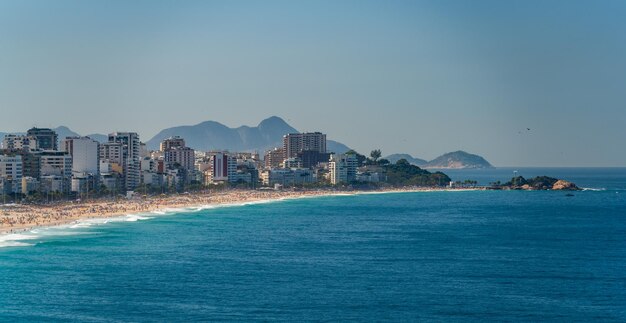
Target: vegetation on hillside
(403,173)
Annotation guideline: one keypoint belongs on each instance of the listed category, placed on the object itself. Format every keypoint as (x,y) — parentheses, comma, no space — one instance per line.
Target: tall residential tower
(130,157)
(295,143)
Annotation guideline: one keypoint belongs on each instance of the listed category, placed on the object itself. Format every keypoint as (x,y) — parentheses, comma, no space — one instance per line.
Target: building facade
(10,174)
(342,168)
(183,156)
(312,158)
(47,139)
(175,152)
(56,166)
(274,158)
(112,152)
(222,167)
(287,177)
(172,142)
(294,143)
(19,142)
(293,162)
(130,156)
(85,154)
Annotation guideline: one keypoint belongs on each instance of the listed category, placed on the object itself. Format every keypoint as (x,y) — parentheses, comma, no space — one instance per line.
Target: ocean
(426,256)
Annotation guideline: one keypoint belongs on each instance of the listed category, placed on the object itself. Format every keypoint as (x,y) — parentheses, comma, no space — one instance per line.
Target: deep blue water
(438,256)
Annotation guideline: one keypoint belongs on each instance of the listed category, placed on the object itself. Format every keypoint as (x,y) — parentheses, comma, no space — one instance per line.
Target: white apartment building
(85,154)
(342,168)
(222,166)
(56,165)
(130,155)
(10,174)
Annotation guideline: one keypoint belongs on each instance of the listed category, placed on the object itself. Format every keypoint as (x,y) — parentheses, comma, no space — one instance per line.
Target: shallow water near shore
(475,255)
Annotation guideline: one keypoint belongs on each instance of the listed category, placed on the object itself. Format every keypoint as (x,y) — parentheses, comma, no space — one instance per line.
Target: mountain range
(211,135)
(456,160)
(393,158)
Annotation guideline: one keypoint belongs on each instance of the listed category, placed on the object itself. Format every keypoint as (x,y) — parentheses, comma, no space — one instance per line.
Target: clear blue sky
(420,77)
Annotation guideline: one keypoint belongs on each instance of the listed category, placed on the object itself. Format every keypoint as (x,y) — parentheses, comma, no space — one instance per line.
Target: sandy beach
(23,217)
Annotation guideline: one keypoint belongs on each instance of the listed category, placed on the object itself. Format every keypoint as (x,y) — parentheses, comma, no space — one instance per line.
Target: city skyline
(522,84)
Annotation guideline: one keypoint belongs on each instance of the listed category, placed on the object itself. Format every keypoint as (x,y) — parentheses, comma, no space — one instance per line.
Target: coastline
(20,218)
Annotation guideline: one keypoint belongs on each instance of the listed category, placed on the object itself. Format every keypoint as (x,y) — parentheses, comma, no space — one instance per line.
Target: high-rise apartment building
(294,143)
(47,139)
(222,167)
(85,154)
(130,157)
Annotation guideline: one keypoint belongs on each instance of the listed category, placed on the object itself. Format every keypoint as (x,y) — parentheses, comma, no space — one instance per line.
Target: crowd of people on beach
(26,216)
(22,217)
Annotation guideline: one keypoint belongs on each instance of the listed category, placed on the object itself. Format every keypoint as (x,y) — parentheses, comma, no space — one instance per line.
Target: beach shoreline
(17,218)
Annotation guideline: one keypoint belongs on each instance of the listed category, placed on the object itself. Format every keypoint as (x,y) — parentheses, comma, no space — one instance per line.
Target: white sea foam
(17,237)
(15,240)
(136,217)
(168,211)
(80,225)
(227,205)
(594,189)
(71,229)
(14,244)
(85,223)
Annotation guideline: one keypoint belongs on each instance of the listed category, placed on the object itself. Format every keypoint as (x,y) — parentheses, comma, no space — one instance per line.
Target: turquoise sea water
(438,256)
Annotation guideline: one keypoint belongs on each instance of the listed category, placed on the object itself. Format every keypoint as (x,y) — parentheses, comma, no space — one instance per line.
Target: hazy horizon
(520,83)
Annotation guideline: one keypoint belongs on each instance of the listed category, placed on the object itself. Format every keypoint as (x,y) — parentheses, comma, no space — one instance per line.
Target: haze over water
(478,255)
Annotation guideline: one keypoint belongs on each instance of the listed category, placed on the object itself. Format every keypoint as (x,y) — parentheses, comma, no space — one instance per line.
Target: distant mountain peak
(272,119)
(458,159)
(63,132)
(274,122)
(393,158)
